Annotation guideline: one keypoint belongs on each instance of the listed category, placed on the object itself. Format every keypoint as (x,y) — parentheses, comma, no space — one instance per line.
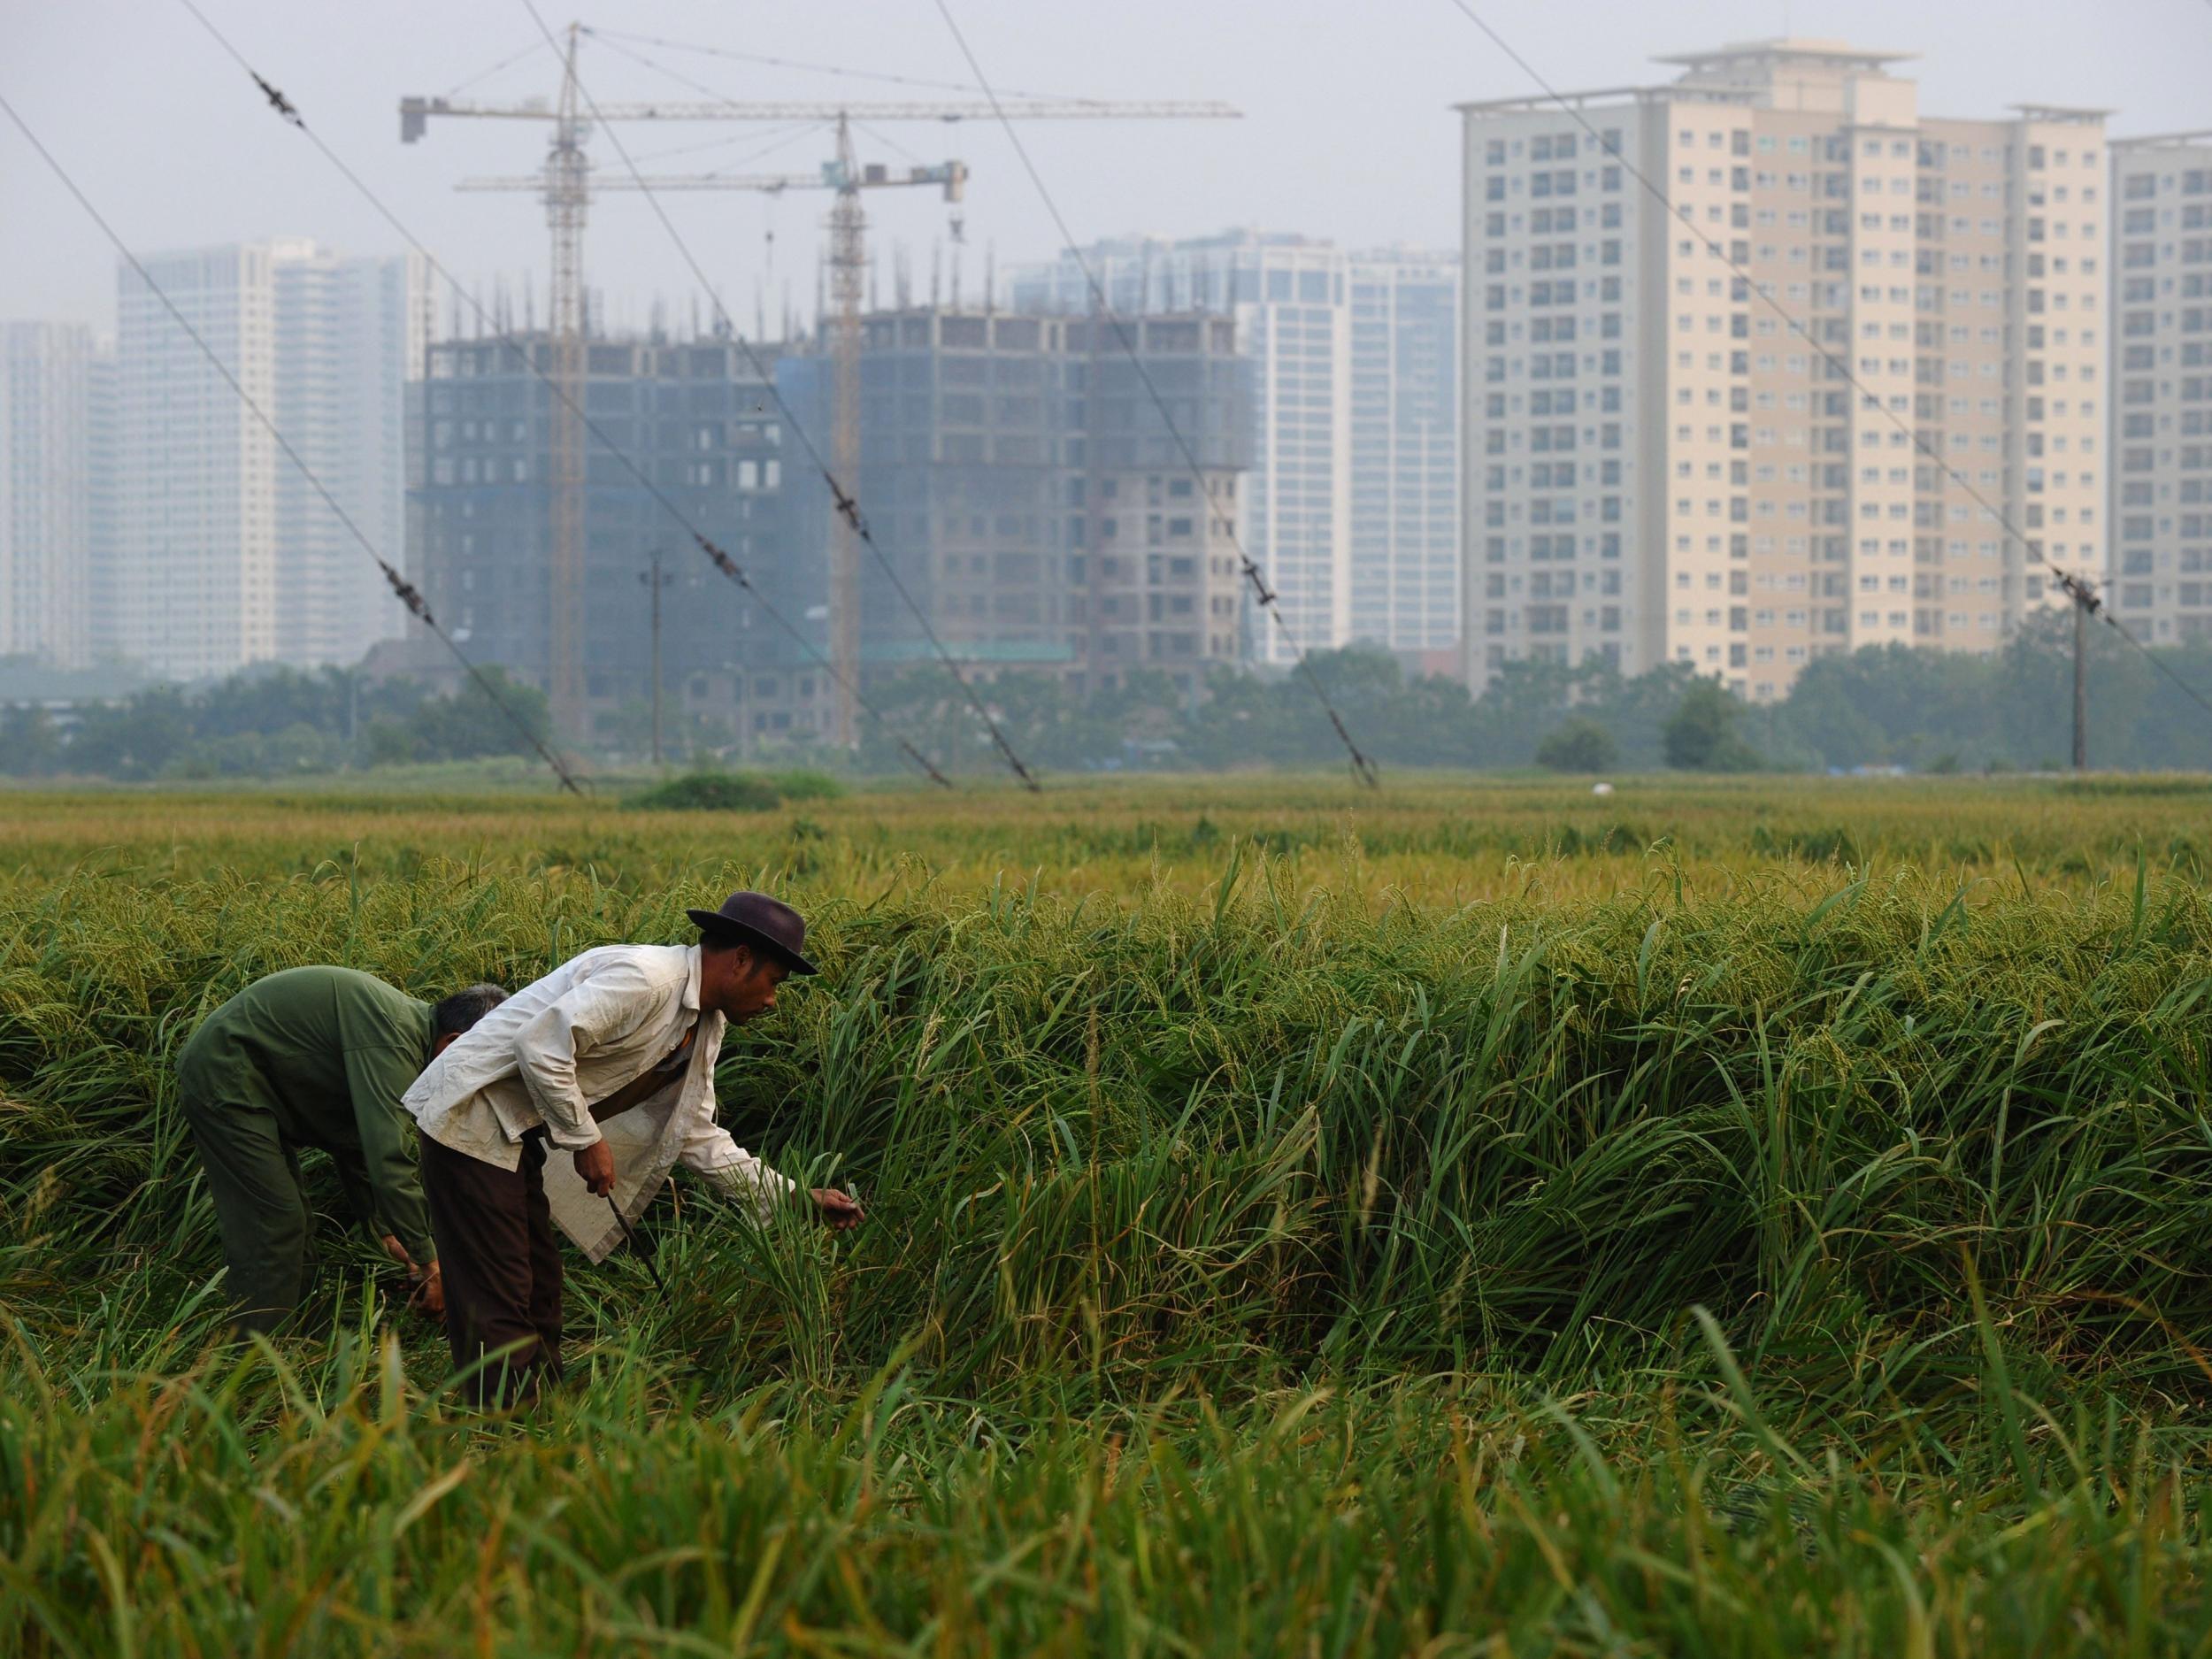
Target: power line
(845,505)
(1269,599)
(460,86)
(2078,588)
(407,593)
(715,554)
(778,137)
(611,35)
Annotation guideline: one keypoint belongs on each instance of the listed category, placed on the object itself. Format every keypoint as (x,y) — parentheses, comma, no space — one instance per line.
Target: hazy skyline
(1348,132)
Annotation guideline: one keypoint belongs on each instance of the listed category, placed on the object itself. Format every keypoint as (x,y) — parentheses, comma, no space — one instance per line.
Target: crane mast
(566,184)
(567,198)
(848,262)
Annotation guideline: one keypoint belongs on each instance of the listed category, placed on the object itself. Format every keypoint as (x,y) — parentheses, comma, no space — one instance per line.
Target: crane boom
(952,174)
(415,113)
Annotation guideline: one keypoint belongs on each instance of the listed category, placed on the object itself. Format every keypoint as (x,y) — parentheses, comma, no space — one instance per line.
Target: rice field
(1747,1217)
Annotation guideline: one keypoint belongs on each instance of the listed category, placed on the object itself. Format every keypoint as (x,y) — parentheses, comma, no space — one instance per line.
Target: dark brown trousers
(501,1267)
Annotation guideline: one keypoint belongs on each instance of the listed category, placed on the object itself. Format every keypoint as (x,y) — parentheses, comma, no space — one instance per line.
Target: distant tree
(139,737)
(1700,734)
(30,744)
(1581,745)
(475,721)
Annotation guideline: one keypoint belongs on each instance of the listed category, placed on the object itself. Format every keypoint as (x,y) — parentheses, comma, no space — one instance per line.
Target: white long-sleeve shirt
(592,1026)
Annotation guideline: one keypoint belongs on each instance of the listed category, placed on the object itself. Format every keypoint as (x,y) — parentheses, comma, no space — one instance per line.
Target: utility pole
(655,581)
(2085,602)
(2081,687)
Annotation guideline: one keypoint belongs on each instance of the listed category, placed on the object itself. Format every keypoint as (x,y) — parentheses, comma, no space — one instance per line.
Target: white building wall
(223,554)
(1404,438)
(195,556)
(47,374)
(342,358)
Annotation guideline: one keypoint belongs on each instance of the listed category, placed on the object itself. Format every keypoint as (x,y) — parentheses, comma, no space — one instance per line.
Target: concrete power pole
(2081,687)
(2085,604)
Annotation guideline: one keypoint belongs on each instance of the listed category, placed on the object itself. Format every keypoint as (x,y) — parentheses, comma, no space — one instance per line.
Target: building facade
(1403,439)
(223,554)
(2160,576)
(1729,430)
(702,426)
(1020,481)
(194,589)
(350,336)
(53,385)
(1351,445)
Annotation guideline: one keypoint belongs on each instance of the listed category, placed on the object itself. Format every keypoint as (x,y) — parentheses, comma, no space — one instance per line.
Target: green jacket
(329,1051)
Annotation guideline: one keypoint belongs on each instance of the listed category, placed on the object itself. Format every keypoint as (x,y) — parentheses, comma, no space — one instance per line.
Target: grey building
(704,429)
(1019,479)
(53,381)
(2161,372)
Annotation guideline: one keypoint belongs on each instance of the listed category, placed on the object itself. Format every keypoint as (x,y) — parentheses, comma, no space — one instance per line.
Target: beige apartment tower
(1662,468)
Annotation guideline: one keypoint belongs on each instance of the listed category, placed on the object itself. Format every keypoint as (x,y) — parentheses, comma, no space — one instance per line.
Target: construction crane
(567,185)
(847,261)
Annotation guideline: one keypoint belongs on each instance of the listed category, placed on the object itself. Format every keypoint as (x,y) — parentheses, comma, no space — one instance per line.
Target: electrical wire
(715,554)
(460,86)
(845,505)
(611,35)
(407,593)
(2080,589)
(1363,767)
(888,142)
(779,138)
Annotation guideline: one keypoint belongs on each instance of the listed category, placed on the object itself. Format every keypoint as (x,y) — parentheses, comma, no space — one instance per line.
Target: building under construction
(1017,476)
(694,418)
(1022,486)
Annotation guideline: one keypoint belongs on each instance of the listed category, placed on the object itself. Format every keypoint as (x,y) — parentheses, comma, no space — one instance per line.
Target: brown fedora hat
(765,923)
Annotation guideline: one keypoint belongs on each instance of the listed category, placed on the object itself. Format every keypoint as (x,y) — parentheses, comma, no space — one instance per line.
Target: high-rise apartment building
(51,379)
(349,335)
(1662,467)
(2161,416)
(1404,443)
(1351,445)
(223,554)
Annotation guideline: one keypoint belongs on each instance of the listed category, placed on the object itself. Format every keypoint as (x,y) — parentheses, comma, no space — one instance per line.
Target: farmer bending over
(609,1058)
(314,1057)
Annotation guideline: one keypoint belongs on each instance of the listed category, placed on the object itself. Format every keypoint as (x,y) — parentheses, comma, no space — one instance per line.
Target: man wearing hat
(608,1059)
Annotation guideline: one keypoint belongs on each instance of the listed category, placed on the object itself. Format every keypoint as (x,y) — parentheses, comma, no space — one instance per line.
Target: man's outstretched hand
(426,1292)
(839,1213)
(595,1163)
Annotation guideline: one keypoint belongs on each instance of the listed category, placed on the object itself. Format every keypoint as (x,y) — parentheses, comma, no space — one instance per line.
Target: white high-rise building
(1404,435)
(2161,391)
(48,379)
(350,334)
(223,555)
(1339,509)
(1660,468)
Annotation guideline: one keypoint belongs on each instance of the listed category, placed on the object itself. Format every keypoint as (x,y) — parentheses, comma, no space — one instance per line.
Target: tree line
(268,722)
(1920,710)
(1885,706)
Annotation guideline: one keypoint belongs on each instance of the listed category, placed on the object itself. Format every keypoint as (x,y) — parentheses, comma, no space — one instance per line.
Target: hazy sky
(1347,131)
